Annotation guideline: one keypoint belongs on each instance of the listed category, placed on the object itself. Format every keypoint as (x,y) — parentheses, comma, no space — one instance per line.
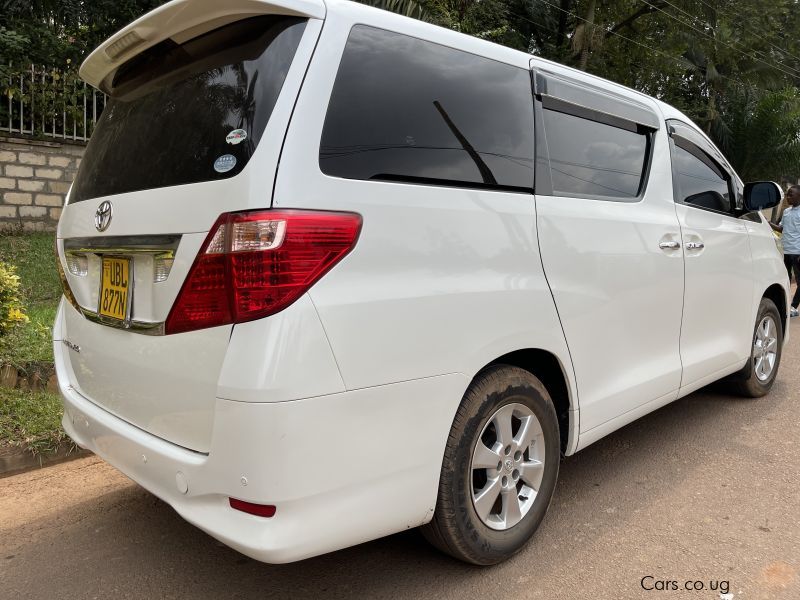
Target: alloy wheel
(507,466)
(765,348)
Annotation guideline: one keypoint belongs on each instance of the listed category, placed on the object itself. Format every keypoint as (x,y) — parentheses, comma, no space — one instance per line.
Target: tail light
(64,283)
(255,264)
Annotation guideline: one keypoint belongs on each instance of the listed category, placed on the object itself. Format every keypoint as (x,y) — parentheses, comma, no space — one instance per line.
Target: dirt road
(704,492)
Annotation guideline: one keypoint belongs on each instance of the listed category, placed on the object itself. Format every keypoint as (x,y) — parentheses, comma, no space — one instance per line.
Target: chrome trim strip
(123,243)
(123,250)
(142,327)
(124,246)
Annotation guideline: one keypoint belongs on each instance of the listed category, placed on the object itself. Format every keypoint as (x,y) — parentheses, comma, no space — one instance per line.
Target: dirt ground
(703,492)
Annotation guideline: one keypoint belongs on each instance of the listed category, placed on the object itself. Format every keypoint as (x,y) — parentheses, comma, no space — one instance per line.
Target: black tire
(456,527)
(746,383)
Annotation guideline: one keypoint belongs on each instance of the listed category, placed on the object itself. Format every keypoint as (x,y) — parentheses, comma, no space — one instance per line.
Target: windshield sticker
(224,163)
(237,136)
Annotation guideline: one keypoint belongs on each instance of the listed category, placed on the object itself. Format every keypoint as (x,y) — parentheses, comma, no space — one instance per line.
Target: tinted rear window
(588,158)
(189,113)
(405,109)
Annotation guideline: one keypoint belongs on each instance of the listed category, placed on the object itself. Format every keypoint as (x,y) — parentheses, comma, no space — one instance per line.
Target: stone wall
(34,179)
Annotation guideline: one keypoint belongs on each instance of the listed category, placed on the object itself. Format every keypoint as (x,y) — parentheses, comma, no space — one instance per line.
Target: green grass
(32,341)
(33,255)
(31,420)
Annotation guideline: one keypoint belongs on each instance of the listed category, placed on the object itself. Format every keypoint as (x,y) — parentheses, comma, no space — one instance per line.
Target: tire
(753,381)
(498,395)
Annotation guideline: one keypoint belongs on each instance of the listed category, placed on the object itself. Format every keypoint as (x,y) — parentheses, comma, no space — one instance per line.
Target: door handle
(695,245)
(669,245)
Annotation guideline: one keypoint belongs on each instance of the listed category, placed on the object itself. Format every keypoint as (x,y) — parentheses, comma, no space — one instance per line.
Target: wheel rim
(765,348)
(507,466)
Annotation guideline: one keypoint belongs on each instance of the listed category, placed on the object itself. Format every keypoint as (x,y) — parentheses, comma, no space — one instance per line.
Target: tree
(408,8)
(764,133)
(717,60)
(59,30)
(722,62)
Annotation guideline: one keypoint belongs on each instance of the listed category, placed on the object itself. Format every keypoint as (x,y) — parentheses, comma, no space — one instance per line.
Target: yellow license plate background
(115,288)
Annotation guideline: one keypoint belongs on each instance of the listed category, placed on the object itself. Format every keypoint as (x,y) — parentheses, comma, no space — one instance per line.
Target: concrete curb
(14,461)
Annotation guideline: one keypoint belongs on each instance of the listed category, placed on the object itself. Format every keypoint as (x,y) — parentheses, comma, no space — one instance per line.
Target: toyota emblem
(102,218)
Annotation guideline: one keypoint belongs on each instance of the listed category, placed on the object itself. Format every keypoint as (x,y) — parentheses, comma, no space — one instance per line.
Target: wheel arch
(777,294)
(546,367)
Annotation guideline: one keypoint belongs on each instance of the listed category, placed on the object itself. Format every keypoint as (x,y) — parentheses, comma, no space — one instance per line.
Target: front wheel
(765,358)
(499,470)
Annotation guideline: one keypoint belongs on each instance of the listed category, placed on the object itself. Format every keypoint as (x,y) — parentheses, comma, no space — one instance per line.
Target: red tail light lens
(254,264)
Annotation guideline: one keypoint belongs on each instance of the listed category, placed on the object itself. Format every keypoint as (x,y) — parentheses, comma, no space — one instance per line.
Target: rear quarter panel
(442,280)
(768,267)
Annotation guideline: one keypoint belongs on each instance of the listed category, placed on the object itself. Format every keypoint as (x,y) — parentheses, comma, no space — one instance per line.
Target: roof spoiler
(181,20)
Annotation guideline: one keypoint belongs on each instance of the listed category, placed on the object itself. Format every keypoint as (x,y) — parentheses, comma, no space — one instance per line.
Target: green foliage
(500,21)
(31,420)
(33,255)
(31,341)
(722,62)
(11,308)
(756,122)
(13,49)
(65,29)
(57,95)
(55,36)
(40,289)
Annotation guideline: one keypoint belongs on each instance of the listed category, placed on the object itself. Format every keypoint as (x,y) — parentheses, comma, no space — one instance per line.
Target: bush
(11,309)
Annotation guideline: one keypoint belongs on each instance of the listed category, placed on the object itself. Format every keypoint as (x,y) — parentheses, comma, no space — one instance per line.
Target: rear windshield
(189,113)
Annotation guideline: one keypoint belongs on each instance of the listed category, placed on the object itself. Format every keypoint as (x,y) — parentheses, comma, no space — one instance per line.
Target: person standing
(789,226)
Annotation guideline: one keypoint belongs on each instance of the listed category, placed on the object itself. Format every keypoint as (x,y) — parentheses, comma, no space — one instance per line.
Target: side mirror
(760,195)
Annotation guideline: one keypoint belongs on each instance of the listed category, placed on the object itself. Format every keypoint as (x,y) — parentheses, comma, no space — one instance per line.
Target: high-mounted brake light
(255,264)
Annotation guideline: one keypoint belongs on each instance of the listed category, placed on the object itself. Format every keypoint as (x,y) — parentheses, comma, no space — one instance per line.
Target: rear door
(610,244)
(193,129)
(718,309)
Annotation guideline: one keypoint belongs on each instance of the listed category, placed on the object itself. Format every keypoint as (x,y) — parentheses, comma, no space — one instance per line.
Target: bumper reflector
(259,510)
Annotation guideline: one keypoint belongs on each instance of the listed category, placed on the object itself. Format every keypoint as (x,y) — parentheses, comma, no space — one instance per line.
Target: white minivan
(331,273)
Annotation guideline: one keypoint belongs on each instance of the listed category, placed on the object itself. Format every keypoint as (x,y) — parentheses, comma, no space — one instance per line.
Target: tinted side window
(588,158)
(404,109)
(700,182)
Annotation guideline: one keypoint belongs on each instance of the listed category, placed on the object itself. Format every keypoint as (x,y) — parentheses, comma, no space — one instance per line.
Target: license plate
(115,288)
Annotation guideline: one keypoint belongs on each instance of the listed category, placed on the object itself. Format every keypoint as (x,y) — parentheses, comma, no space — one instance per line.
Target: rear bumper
(341,469)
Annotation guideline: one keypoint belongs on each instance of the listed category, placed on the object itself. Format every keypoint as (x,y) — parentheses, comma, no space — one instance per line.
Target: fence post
(33,101)
(21,104)
(10,105)
(64,112)
(44,99)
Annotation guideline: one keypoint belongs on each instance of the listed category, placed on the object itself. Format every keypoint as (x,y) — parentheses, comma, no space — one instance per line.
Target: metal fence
(48,103)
